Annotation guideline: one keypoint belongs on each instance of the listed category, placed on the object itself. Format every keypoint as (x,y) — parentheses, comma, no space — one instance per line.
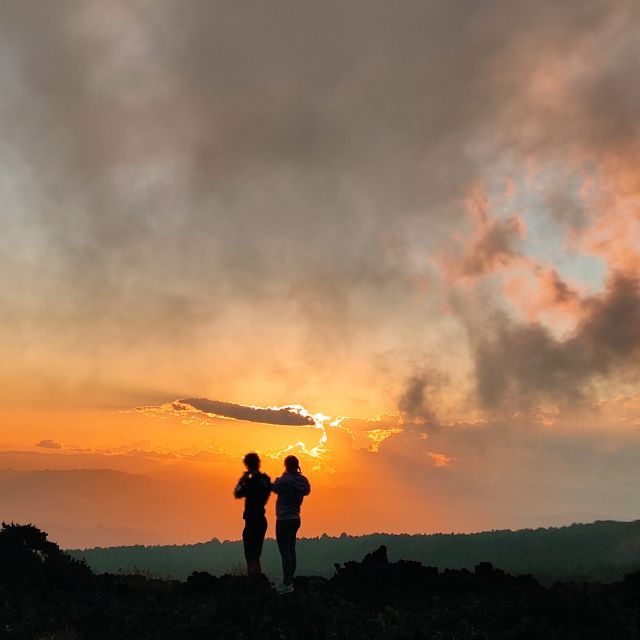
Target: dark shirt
(255,489)
(291,488)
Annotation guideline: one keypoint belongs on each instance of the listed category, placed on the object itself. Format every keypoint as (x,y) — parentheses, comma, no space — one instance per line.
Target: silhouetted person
(254,486)
(291,487)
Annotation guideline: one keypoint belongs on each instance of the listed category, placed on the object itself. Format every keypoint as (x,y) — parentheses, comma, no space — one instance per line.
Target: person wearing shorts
(255,487)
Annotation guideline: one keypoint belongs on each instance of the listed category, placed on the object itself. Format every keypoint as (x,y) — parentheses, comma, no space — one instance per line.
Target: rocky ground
(61,599)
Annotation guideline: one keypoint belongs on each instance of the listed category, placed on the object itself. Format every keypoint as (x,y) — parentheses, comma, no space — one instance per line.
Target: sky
(400,240)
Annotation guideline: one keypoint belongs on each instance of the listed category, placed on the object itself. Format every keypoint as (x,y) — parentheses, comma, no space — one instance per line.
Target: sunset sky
(399,239)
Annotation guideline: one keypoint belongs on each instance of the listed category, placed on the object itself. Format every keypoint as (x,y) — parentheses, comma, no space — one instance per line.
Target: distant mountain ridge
(75,496)
(91,507)
(103,536)
(604,550)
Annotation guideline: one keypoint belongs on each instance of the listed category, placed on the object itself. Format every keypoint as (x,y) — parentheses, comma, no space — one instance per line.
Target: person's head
(292,464)
(252,462)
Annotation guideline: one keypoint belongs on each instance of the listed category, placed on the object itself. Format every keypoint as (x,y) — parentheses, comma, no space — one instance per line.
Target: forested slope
(603,550)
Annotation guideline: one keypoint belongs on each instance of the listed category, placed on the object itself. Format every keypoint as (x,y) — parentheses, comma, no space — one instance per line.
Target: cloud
(48,444)
(494,247)
(260,153)
(205,456)
(378,436)
(419,399)
(440,459)
(522,364)
(542,290)
(201,411)
(412,402)
(289,416)
(147,453)
(493,243)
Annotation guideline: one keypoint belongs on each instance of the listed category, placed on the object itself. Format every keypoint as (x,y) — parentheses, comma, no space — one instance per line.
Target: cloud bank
(425,212)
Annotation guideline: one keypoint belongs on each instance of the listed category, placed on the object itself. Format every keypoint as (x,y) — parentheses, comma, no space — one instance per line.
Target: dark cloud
(496,246)
(561,292)
(419,400)
(175,156)
(284,415)
(48,444)
(521,364)
(412,400)
(611,329)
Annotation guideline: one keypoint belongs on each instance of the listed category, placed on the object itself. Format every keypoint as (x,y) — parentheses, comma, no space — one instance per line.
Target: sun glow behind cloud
(204,412)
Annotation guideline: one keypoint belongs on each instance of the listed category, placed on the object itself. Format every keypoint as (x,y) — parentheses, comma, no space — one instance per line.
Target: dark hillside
(602,551)
(372,599)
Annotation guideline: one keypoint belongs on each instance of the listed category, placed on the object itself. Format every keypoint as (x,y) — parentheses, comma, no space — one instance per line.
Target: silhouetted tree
(27,557)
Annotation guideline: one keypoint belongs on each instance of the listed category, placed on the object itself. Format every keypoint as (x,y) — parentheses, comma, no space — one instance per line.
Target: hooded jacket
(291,487)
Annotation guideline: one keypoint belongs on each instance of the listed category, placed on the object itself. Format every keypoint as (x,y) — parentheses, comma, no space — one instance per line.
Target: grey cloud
(419,398)
(48,444)
(412,400)
(496,246)
(611,330)
(520,364)
(562,292)
(234,149)
(565,205)
(282,416)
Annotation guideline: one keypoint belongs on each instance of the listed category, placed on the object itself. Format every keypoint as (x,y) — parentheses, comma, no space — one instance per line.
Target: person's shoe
(283,588)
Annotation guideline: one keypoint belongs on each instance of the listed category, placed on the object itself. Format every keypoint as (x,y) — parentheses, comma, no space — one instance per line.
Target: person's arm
(307,489)
(276,485)
(241,488)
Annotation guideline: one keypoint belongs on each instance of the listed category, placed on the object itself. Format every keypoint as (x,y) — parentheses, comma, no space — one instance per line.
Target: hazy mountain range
(103,507)
(83,508)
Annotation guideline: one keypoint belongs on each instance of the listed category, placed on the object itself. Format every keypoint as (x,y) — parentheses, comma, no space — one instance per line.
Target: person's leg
(261,530)
(288,575)
(253,539)
(295,525)
(253,566)
(286,537)
(246,543)
(283,548)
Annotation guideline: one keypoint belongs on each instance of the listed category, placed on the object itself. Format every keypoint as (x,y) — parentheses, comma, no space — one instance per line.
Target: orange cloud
(378,436)
(440,459)
(539,290)
(614,200)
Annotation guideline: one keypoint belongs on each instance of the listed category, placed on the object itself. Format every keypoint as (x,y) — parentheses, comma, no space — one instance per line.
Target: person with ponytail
(291,488)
